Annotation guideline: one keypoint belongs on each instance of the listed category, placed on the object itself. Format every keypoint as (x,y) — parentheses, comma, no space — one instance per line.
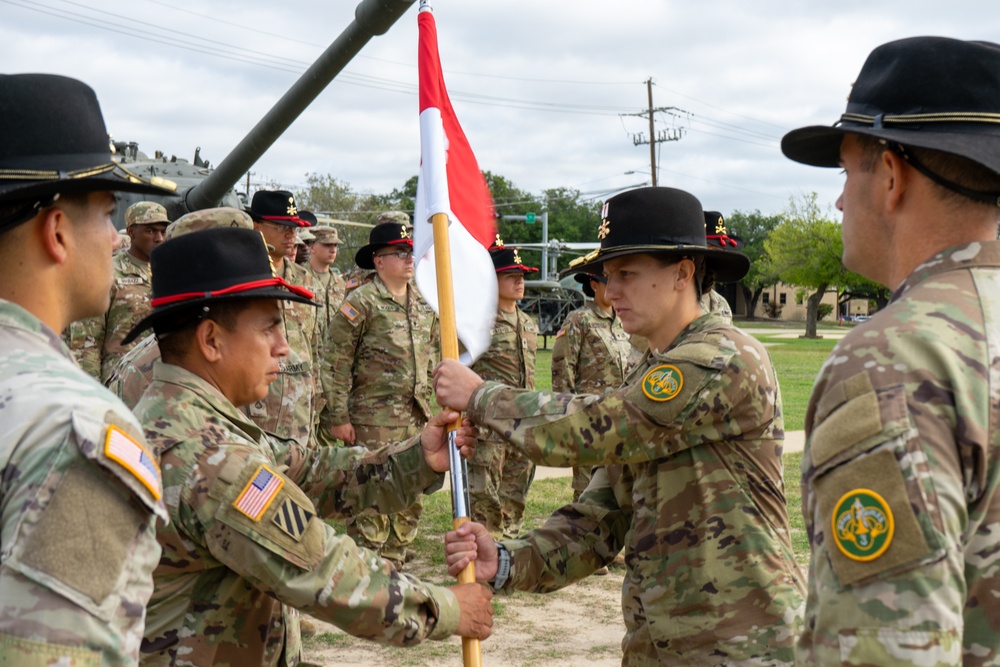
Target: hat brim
(109,182)
(819,145)
(165,312)
(365,256)
(729,266)
(517,268)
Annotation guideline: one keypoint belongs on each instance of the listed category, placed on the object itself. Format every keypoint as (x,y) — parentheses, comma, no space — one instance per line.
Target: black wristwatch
(503,567)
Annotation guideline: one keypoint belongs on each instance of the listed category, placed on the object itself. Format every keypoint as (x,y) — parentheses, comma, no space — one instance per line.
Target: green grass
(797,362)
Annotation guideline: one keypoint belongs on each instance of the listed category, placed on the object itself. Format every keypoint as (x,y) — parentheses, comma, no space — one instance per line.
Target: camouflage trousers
(484,485)
(581,478)
(516,476)
(391,534)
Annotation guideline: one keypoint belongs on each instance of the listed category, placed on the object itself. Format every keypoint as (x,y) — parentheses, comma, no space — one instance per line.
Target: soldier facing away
(692,485)
(246,547)
(79,489)
(902,458)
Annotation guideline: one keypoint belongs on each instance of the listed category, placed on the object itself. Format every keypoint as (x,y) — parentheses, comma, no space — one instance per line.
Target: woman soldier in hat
(902,459)
(692,487)
(79,489)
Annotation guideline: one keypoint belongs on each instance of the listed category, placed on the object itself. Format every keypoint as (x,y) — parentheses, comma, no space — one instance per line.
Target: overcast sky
(543,88)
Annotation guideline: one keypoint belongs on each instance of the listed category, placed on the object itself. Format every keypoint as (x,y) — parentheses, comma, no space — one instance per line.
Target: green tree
(754,228)
(805,250)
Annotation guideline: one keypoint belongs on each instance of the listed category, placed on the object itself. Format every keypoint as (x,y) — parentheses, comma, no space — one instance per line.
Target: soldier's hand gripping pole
(471,651)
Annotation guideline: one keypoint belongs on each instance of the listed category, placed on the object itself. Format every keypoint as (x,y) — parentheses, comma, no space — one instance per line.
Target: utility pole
(530,219)
(673,134)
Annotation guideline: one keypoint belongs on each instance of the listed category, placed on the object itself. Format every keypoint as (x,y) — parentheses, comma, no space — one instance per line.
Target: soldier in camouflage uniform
(383,344)
(134,371)
(246,547)
(287,411)
(591,353)
(328,287)
(359,276)
(79,489)
(97,341)
(900,470)
(691,443)
(499,477)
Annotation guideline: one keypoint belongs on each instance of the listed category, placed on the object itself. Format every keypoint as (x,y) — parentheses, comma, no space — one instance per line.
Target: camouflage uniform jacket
(900,476)
(96,341)
(328,289)
(288,409)
(380,358)
(591,352)
(134,371)
(78,506)
(241,555)
(511,357)
(692,490)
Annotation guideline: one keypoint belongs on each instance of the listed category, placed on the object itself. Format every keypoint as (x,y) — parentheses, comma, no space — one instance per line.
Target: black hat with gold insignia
(211,265)
(53,142)
(661,221)
(716,234)
(277,206)
(382,235)
(508,259)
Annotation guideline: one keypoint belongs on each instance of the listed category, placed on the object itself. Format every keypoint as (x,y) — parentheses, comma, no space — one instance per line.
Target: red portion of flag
(468,193)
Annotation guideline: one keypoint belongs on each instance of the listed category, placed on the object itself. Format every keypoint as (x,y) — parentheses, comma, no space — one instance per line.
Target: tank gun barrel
(371,18)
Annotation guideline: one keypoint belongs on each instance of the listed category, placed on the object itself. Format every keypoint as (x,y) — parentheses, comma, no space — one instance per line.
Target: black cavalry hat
(927,92)
(53,140)
(277,206)
(659,220)
(716,234)
(507,260)
(212,265)
(382,235)
(584,280)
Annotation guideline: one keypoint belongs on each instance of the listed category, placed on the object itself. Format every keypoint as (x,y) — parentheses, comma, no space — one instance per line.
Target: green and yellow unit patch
(662,383)
(862,525)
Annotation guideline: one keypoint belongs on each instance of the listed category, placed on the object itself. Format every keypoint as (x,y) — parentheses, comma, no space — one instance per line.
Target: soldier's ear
(209,338)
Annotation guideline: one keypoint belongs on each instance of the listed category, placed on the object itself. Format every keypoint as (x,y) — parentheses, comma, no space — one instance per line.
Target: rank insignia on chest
(293,518)
(121,448)
(349,311)
(862,525)
(662,383)
(259,493)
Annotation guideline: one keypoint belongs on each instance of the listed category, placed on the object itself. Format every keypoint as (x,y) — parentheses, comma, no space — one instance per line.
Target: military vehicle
(197,185)
(550,302)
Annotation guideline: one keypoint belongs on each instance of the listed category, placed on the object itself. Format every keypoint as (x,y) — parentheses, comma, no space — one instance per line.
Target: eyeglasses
(402,254)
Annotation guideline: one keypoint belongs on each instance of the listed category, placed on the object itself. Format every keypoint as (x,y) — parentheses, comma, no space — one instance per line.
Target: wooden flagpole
(471,651)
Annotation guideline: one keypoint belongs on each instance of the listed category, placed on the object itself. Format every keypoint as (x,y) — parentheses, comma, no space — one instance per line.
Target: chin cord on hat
(986,197)
(26,211)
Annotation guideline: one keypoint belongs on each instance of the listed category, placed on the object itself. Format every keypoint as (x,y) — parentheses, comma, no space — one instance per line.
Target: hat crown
(209,218)
(145,213)
(209,260)
(654,216)
(277,206)
(921,75)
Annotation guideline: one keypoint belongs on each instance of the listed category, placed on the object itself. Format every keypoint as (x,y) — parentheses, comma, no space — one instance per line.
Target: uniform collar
(966,256)
(599,312)
(14,316)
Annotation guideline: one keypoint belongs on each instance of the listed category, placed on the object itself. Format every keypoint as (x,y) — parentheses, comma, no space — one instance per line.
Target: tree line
(800,245)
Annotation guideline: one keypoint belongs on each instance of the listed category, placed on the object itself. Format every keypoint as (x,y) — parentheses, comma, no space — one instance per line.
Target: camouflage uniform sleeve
(894,478)
(85,339)
(692,395)
(566,355)
(343,481)
(79,565)
(347,327)
(259,524)
(576,540)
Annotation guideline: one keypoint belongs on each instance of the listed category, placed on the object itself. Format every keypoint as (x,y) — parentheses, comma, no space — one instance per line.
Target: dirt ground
(579,625)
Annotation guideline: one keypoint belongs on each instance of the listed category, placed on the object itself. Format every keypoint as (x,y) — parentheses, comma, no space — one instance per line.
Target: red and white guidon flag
(450,182)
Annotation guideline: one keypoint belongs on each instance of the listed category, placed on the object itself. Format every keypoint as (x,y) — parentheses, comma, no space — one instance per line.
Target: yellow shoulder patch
(862,525)
(259,493)
(662,383)
(349,311)
(121,448)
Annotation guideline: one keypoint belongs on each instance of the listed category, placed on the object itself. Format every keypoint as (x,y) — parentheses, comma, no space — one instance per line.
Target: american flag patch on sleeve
(259,492)
(121,448)
(348,311)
